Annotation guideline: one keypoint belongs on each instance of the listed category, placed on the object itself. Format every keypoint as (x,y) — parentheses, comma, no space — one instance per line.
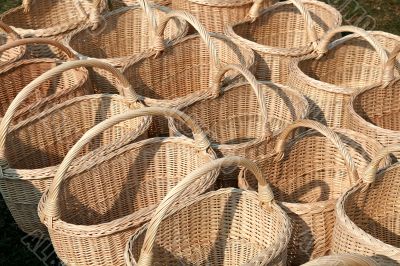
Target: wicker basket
(6,35)
(284,31)
(367,216)
(51,18)
(244,118)
(373,111)
(343,260)
(32,149)
(308,174)
(334,72)
(91,215)
(183,71)
(215,14)
(15,76)
(224,227)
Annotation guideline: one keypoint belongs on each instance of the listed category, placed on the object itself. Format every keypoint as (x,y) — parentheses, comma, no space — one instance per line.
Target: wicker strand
(389,68)
(145,5)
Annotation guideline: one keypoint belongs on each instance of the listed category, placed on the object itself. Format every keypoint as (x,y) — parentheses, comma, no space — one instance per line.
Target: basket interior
(136,177)
(284,26)
(45,141)
(124,33)
(380,106)
(217,230)
(184,68)
(376,210)
(228,120)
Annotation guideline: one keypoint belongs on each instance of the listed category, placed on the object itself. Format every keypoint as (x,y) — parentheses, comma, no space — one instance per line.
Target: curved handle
(7,29)
(389,68)
(145,5)
(159,45)
(255,86)
(264,192)
(51,42)
(126,91)
(373,167)
(323,46)
(328,133)
(51,208)
(310,26)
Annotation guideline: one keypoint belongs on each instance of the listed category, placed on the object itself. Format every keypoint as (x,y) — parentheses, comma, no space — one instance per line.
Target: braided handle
(310,27)
(51,42)
(51,209)
(325,131)
(253,83)
(323,46)
(159,45)
(265,195)
(7,29)
(389,67)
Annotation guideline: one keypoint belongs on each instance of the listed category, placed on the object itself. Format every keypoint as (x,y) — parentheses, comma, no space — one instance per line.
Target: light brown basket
(183,71)
(224,227)
(6,35)
(335,71)
(343,260)
(15,76)
(374,111)
(215,14)
(31,150)
(308,174)
(245,118)
(51,18)
(91,211)
(284,31)
(367,215)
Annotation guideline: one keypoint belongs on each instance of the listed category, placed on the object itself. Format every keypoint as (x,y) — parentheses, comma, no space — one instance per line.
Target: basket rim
(295,51)
(222,3)
(283,240)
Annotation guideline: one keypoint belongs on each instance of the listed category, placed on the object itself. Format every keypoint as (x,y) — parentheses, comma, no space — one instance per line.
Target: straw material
(51,18)
(91,211)
(216,14)
(32,149)
(245,118)
(224,227)
(284,31)
(8,35)
(367,214)
(15,76)
(329,76)
(343,260)
(115,4)
(374,111)
(183,71)
(308,174)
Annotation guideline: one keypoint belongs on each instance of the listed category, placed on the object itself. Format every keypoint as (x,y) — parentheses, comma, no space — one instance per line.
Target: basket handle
(323,46)
(126,90)
(369,174)
(7,29)
(265,194)
(51,209)
(51,42)
(159,44)
(325,131)
(253,83)
(145,5)
(310,26)
(389,68)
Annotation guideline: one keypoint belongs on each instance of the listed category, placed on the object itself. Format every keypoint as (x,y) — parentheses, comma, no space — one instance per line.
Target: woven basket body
(8,35)
(31,150)
(215,14)
(308,174)
(217,228)
(343,260)
(374,111)
(184,71)
(367,218)
(15,76)
(350,64)
(50,18)
(94,222)
(282,32)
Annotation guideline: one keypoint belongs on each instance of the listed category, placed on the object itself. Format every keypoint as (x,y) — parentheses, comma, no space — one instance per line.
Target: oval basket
(343,260)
